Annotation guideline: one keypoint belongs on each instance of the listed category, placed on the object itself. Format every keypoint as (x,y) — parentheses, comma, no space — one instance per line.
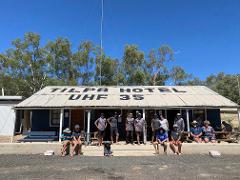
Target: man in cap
(66,140)
(101,124)
(139,123)
(76,141)
(113,121)
(179,122)
(208,132)
(155,125)
(196,132)
(175,143)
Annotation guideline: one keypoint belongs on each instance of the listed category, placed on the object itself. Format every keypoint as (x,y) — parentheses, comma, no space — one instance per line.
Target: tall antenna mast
(101,45)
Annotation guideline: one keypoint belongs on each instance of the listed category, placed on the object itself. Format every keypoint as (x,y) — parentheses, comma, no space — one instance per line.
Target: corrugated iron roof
(125,96)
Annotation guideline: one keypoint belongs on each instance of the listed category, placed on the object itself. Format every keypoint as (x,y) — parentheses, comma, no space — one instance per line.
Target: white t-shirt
(164,124)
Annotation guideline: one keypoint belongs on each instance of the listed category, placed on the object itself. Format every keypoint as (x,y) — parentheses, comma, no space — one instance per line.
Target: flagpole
(101,44)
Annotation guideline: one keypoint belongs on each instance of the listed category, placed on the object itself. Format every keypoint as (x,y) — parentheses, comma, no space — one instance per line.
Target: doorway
(77,117)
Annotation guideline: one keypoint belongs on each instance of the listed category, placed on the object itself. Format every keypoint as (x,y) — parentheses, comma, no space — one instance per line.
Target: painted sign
(99,93)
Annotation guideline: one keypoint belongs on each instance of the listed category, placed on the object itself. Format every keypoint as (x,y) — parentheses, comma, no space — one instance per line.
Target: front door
(77,117)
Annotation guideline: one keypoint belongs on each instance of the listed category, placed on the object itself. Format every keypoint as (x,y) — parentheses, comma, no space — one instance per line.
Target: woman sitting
(76,141)
(161,139)
(208,132)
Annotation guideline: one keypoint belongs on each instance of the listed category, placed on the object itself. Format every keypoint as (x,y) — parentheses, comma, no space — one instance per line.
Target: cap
(178,114)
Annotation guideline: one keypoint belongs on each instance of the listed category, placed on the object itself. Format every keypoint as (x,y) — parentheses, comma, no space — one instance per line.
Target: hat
(194,122)
(175,125)
(76,126)
(206,122)
(178,114)
(66,130)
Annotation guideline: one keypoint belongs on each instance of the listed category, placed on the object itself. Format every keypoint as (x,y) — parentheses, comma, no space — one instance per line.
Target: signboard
(125,93)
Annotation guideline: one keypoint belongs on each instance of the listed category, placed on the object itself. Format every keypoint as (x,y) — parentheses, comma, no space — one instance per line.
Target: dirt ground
(156,167)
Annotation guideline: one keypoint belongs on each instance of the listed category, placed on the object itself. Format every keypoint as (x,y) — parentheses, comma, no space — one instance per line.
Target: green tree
(61,61)
(156,64)
(134,66)
(25,65)
(224,84)
(179,76)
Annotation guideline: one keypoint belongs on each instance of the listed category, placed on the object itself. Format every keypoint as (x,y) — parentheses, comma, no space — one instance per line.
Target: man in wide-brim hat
(208,132)
(66,140)
(196,132)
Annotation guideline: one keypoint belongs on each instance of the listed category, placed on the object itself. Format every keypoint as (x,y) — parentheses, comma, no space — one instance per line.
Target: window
(55,117)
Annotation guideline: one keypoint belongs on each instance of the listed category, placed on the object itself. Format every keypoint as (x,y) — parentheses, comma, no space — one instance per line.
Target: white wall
(7,120)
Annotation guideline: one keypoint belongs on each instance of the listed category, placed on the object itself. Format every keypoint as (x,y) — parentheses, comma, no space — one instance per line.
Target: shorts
(114,130)
(101,133)
(158,139)
(66,141)
(210,138)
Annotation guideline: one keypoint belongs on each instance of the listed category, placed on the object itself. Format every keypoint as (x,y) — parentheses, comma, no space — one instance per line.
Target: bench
(40,136)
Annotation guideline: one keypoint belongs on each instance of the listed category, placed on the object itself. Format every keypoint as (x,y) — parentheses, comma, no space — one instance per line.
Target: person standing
(113,121)
(129,128)
(164,123)
(155,125)
(179,122)
(139,123)
(101,124)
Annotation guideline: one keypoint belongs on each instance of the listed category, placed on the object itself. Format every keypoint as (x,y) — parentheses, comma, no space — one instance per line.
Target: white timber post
(61,124)
(144,128)
(188,123)
(88,126)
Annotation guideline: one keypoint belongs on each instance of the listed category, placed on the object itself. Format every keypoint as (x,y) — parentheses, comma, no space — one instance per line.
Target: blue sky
(205,34)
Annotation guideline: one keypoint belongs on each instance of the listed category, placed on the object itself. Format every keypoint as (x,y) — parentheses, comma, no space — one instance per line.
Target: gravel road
(82,167)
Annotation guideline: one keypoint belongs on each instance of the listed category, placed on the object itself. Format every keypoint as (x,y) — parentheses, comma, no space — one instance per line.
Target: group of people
(160,131)
(71,138)
(131,125)
(161,134)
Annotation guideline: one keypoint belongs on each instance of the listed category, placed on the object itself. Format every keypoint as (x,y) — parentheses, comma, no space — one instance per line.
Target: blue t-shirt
(66,136)
(196,130)
(161,136)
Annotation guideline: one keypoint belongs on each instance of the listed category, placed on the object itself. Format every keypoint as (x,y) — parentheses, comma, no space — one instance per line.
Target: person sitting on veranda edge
(196,132)
(175,143)
(161,139)
(66,141)
(226,129)
(208,132)
(76,141)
